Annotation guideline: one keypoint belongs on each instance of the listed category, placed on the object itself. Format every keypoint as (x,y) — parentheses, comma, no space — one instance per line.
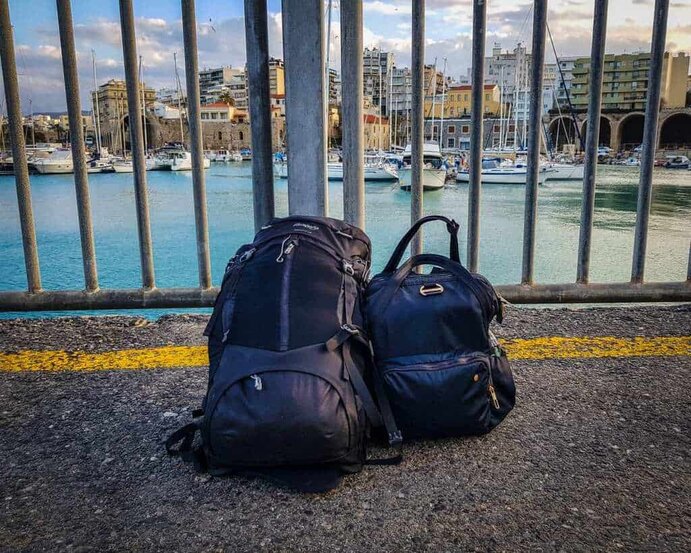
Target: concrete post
(352,126)
(257,42)
(189,33)
(303,49)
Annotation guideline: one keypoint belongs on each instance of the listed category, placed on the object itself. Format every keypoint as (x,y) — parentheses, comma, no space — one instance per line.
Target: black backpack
(442,370)
(289,363)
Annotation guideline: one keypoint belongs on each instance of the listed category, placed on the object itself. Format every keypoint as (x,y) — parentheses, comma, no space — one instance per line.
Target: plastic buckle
(350,329)
(395,438)
(348,268)
(247,255)
(452,226)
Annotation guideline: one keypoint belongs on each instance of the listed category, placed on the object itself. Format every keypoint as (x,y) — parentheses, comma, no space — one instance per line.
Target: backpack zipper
(286,257)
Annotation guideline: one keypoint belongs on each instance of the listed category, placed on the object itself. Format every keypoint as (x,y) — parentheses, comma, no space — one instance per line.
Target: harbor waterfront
(230,222)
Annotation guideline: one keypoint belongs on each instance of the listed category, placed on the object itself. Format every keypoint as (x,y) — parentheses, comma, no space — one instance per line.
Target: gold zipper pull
(493,395)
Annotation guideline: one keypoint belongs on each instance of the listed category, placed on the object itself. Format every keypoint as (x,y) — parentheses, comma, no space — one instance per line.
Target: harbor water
(229,190)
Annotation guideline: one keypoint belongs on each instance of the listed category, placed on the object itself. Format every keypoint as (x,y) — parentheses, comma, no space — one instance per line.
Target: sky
(220,28)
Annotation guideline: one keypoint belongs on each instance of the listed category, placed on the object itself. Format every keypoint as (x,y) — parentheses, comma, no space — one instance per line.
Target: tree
(226,98)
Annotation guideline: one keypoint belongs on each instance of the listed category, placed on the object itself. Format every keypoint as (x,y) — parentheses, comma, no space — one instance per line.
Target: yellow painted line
(165,357)
(559,347)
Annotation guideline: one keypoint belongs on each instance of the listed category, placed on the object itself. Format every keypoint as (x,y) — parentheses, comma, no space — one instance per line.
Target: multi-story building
(509,70)
(564,79)
(377,73)
(112,110)
(170,97)
(214,81)
(277,76)
(334,88)
(625,81)
(401,90)
(457,101)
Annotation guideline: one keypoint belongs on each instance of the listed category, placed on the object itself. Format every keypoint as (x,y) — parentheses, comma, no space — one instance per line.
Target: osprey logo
(305,225)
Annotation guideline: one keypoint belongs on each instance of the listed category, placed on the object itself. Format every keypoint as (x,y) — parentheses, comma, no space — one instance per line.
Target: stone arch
(562,130)
(631,130)
(605,134)
(152,132)
(675,131)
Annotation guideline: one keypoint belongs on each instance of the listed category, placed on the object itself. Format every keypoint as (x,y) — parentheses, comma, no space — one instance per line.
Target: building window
(465,129)
(241,135)
(496,128)
(451,129)
(450,142)
(220,135)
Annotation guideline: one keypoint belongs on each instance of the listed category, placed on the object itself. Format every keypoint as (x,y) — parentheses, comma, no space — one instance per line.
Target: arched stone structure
(630,131)
(562,130)
(675,131)
(605,134)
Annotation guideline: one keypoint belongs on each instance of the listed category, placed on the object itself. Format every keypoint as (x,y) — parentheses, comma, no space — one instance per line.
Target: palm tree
(226,98)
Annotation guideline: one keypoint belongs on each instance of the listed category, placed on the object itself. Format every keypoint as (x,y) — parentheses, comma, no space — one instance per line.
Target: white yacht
(494,172)
(433,167)
(224,156)
(178,160)
(563,171)
(372,171)
(60,161)
(123,166)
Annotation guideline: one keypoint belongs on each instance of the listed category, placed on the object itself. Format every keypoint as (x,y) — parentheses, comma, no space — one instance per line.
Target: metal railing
(303,45)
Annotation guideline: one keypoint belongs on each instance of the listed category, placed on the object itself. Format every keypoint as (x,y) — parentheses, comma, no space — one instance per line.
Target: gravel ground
(595,457)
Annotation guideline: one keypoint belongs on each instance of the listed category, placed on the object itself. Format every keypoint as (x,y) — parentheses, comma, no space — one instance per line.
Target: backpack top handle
(451,225)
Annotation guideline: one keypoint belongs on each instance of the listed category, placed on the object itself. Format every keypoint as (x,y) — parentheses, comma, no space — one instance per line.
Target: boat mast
(433,82)
(141,91)
(379,133)
(97,121)
(179,92)
(389,101)
(443,98)
(501,109)
(327,81)
(33,135)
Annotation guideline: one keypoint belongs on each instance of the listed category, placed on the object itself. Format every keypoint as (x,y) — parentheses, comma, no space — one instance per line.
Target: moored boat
(433,168)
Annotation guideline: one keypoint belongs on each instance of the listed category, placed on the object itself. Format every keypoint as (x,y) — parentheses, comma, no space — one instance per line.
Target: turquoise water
(229,190)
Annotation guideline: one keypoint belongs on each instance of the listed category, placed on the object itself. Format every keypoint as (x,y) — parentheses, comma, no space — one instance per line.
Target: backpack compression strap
(385,417)
(185,451)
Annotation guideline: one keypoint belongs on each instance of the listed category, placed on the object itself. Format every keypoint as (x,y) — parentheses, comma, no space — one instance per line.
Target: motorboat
(224,156)
(178,160)
(495,172)
(99,166)
(246,154)
(123,166)
(677,162)
(372,172)
(563,171)
(433,168)
(58,162)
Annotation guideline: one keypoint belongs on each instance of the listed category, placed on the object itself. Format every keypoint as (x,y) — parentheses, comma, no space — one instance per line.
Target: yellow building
(625,81)
(276,76)
(458,101)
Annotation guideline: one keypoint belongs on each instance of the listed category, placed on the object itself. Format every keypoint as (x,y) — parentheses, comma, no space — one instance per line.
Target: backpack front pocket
(278,417)
(444,398)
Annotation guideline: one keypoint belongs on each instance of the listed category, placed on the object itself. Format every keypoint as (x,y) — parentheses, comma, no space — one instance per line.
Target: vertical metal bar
(418,123)
(129,52)
(74,113)
(597,60)
(652,112)
(352,126)
(189,33)
(257,42)
(303,48)
(16,135)
(688,267)
(534,119)
(476,139)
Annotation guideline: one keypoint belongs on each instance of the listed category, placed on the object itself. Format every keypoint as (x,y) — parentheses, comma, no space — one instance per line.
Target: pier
(593,458)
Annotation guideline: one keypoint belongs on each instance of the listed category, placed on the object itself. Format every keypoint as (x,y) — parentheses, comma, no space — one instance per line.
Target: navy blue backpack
(438,366)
